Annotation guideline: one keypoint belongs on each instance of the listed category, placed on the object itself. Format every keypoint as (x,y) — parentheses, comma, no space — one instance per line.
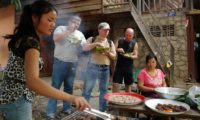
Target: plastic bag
(194,94)
(193,97)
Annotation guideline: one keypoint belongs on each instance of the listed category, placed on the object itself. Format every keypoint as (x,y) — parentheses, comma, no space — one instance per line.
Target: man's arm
(112,53)
(89,45)
(134,54)
(119,50)
(60,34)
(135,51)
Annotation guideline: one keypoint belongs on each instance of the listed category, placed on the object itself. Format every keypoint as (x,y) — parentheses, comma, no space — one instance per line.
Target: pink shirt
(151,81)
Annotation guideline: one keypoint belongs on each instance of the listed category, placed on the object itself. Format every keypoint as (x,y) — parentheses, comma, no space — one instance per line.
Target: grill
(87,114)
(91,115)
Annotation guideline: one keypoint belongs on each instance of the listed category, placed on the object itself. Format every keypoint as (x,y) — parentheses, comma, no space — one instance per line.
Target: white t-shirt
(67,50)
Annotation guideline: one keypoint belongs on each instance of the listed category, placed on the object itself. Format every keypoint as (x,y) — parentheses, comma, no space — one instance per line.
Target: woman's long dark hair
(26,28)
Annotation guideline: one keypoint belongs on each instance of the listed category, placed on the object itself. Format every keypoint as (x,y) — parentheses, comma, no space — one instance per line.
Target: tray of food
(166,106)
(124,98)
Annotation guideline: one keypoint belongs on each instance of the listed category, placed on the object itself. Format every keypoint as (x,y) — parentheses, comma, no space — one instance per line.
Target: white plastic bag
(194,94)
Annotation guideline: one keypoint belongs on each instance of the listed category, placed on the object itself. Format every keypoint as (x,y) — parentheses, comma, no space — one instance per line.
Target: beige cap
(103,25)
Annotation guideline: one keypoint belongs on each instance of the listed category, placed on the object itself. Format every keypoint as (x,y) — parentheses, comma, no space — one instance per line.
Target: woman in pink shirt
(150,77)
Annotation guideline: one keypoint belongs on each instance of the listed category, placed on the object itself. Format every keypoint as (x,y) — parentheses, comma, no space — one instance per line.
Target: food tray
(137,97)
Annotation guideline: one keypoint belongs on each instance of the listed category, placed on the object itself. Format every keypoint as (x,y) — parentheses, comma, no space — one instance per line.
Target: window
(168,30)
(155,31)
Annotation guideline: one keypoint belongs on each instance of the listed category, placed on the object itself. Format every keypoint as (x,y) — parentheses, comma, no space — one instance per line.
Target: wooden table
(141,108)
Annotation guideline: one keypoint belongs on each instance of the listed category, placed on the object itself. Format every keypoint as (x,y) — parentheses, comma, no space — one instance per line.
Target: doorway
(196,19)
(193,33)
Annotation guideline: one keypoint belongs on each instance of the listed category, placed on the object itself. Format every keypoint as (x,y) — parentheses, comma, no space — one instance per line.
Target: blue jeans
(20,109)
(102,74)
(62,72)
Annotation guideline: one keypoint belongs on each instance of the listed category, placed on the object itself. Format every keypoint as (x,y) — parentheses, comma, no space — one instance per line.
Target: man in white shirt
(68,41)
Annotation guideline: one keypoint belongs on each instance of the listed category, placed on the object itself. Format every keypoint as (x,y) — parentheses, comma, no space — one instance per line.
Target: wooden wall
(82,7)
(68,7)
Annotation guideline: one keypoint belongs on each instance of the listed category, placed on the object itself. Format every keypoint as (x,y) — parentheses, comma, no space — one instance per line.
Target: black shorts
(125,74)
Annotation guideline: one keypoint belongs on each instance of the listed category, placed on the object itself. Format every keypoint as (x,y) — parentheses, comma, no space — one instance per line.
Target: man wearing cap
(102,52)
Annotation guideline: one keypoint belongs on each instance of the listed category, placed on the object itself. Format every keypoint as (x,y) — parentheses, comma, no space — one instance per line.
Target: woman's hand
(81,103)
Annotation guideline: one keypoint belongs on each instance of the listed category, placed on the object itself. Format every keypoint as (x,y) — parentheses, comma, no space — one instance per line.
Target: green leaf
(19,3)
(197,95)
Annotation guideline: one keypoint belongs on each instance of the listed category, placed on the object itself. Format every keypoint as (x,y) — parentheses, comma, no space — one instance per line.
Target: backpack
(93,39)
(109,41)
(112,62)
(87,53)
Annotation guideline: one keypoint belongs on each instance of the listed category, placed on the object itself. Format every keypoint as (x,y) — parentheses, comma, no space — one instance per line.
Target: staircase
(165,52)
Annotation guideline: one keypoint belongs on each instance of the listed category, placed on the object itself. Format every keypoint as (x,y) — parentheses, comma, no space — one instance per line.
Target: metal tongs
(103,115)
(98,113)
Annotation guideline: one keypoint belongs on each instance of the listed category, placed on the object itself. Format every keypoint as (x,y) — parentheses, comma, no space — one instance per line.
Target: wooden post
(137,5)
(192,5)
(154,5)
(149,4)
(143,6)
(102,6)
(140,6)
(160,5)
(187,4)
(165,4)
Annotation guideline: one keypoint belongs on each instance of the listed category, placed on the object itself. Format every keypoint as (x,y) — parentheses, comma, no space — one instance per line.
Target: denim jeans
(94,73)
(20,109)
(62,72)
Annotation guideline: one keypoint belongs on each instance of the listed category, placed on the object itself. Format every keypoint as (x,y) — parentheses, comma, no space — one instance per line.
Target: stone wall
(179,41)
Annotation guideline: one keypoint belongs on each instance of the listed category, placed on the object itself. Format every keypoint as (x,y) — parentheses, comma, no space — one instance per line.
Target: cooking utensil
(151,103)
(98,113)
(170,92)
(69,117)
(94,112)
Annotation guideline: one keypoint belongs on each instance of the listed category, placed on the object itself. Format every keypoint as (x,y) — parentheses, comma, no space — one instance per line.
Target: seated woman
(150,77)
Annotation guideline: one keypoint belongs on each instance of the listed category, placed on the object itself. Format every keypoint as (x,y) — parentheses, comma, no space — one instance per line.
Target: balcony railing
(113,6)
(110,6)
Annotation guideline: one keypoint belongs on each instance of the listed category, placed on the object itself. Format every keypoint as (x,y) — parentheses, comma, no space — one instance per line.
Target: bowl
(170,92)
(152,103)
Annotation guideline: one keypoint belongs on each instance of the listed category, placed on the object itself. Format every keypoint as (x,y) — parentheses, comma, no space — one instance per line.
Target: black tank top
(128,47)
